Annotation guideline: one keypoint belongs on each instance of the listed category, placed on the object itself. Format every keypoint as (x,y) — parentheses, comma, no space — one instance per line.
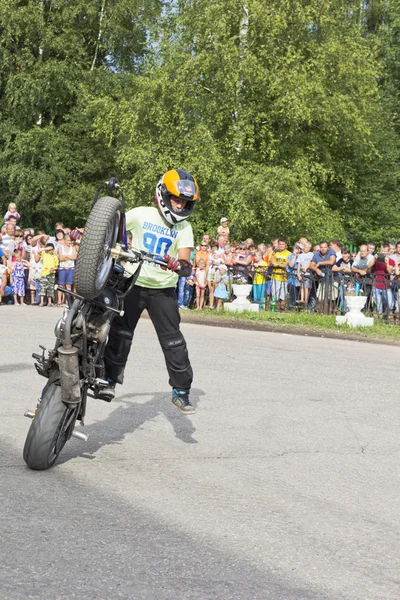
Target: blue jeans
(188,294)
(383,300)
(181,291)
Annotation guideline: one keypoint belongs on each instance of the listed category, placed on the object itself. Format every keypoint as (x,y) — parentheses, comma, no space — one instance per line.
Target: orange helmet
(181,184)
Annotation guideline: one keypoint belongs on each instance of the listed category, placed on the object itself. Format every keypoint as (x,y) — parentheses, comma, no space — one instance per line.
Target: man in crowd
(322,263)
(362,266)
(382,268)
(7,242)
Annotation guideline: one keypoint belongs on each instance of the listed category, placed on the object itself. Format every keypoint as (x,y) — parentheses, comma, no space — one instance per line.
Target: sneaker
(180,399)
(107,392)
(183,307)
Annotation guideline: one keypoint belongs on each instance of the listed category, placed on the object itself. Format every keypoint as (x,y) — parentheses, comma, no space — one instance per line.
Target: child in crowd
(18,278)
(223,228)
(214,261)
(48,275)
(260,278)
(201,284)
(222,286)
(11,212)
(189,287)
(304,274)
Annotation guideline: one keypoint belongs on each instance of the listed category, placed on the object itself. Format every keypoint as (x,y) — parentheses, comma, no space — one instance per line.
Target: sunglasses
(18,235)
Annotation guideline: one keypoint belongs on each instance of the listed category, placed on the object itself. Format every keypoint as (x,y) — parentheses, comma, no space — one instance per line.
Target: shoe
(180,399)
(183,307)
(107,392)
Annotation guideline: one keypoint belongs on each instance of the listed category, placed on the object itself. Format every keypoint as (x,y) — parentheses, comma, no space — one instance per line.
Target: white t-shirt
(304,260)
(152,233)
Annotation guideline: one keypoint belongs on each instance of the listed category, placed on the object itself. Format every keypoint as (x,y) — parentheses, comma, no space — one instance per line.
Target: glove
(173,264)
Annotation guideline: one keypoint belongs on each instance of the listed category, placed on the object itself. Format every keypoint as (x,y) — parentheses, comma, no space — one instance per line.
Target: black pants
(162,306)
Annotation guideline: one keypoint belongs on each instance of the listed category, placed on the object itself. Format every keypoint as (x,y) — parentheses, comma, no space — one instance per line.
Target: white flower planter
(242,302)
(241,291)
(355,317)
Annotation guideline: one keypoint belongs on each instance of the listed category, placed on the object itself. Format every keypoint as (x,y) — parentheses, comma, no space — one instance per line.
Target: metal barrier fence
(279,290)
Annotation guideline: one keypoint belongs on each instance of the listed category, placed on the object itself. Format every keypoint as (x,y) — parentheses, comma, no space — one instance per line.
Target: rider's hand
(173,264)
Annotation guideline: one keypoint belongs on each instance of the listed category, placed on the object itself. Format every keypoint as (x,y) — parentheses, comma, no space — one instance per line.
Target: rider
(164,231)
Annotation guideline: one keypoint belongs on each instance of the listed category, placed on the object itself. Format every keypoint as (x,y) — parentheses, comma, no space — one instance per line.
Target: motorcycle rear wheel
(50,429)
(94,261)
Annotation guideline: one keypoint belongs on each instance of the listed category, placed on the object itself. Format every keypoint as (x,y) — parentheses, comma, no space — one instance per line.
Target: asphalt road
(283,485)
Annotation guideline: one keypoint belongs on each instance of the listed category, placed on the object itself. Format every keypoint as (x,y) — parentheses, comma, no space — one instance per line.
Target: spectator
(7,242)
(214,261)
(362,266)
(293,283)
(59,239)
(221,241)
(18,279)
(227,256)
(222,286)
(321,264)
(48,275)
(371,248)
(336,246)
(202,253)
(12,213)
(260,279)
(242,262)
(5,289)
(249,242)
(36,264)
(278,262)
(223,228)
(2,255)
(382,268)
(67,255)
(201,283)
(13,221)
(189,287)
(303,273)
(342,268)
(19,241)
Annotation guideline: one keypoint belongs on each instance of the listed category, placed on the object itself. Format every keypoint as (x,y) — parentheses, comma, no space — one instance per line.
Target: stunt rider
(164,231)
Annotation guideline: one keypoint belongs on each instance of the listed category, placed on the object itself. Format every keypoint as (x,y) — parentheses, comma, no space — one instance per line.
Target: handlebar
(135,255)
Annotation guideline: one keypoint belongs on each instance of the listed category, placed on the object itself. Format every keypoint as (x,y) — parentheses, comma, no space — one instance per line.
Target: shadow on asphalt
(62,539)
(128,417)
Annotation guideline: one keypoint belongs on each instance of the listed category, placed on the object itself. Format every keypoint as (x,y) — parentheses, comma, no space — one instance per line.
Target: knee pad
(119,345)
(175,352)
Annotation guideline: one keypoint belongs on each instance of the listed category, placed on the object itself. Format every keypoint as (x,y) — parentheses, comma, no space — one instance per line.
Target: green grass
(305,321)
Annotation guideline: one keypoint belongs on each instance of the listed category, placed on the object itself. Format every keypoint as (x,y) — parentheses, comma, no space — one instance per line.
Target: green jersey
(152,233)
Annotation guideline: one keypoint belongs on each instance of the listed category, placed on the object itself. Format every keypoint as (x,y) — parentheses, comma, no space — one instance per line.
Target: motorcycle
(75,368)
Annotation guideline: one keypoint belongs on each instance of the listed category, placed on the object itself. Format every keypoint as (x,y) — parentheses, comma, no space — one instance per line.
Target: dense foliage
(286,111)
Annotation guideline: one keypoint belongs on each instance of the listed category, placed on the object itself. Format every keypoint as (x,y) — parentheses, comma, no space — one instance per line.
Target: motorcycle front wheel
(50,429)
(94,261)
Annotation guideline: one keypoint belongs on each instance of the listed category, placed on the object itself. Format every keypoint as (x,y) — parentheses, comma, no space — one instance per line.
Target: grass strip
(302,321)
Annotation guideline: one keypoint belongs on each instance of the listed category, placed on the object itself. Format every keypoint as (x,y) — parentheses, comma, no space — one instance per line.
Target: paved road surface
(283,486)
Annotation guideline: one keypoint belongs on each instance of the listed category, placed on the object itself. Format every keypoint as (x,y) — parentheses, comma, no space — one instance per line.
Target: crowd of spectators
(316,277)
(32,262)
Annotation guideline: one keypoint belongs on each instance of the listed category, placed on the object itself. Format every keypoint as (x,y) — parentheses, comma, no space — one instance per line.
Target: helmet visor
(186,188)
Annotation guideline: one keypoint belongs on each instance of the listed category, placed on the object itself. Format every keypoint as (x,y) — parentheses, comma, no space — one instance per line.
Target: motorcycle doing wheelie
(74,368)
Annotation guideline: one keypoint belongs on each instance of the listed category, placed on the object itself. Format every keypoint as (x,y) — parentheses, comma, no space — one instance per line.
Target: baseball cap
(223,219)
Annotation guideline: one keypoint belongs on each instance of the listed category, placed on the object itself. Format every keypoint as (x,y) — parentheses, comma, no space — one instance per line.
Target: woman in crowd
(67,254)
